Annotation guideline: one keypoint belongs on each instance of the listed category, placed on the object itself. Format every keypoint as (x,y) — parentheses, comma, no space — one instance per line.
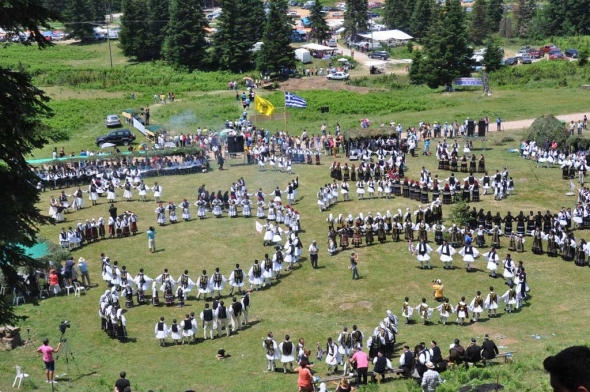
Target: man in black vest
(435,355)
(222,316)
(236,314)
(489,348)
(207,318)
(382,365)
(406,361)
(245,306)
(287,356)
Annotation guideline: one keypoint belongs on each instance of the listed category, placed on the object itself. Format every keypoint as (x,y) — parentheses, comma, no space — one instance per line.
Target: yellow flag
(263,106)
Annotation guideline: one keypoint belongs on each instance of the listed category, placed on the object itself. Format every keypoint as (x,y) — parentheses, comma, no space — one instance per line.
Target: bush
(547,127)
(507,139)
(460,214)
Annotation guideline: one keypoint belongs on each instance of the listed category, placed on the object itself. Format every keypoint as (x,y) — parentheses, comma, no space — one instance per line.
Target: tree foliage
(157,27)
(423,14)
(233,48)
(547,127)
(23,108)
(320,31)
(185,43)
(524,16)
(506,29)
(397,14)
(277,52)
(79,17)
(492,59)
(495,9)
(134,35)
(415,74)
(355,17)
(479,23)
(447,54)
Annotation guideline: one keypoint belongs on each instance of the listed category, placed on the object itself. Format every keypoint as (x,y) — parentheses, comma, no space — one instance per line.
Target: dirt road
(520,124)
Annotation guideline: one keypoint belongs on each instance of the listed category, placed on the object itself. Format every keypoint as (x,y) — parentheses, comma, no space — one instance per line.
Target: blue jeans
(355,273)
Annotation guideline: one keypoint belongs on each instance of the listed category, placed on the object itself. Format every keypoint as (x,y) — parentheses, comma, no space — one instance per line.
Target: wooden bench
(507,356)
(370,374)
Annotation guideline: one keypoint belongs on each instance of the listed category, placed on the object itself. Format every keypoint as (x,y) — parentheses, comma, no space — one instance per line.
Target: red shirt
(305,379)
(47,353)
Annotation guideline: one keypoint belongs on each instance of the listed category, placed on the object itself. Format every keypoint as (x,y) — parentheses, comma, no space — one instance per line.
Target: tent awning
(317,47)
(387,35)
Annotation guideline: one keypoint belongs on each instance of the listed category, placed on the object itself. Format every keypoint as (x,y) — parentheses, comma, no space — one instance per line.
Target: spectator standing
(362,365)
(83,267)
(122,383)
(431,379)
(313,254)
(354,258)
(151,233)
(498,124)
(47,352)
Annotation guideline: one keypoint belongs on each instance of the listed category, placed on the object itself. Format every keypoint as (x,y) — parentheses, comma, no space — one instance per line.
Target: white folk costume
(446,253)
(462,311)
(287,349)
(187,329)
(491,303)
(217,282)
(508,270)
(267,272)
(424,311)
(175,331)
(510,297)
(236,279)
(445,309)
(493,261)
(476,306)
(217,211)
(142,191)
(157,191)
(160,215)
(246,207)
(422,254)
(161,331)
(201,212)
(255,275)
(186,213)
(407,311)
(171,207)
(469,254)
(272,352)
(332,357)
(203,286)
(128,194)
(186,283)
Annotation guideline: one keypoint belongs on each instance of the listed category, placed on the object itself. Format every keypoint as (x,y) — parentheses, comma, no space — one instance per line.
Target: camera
(63,325)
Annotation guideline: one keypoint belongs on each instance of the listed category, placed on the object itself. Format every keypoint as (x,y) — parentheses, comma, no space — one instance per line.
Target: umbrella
(342,60)
(247,78)
(107,145)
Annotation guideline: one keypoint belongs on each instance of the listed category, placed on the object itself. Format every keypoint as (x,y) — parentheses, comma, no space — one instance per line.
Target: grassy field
(308,303)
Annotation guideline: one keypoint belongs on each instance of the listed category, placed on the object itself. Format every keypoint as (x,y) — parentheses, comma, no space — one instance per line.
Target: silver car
(112,121)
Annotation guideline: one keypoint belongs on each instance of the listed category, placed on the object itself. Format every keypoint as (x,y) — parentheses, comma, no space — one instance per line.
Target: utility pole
(108,17)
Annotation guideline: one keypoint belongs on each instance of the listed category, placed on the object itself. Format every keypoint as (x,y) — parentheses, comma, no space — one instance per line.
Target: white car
(332,43)
(338,76)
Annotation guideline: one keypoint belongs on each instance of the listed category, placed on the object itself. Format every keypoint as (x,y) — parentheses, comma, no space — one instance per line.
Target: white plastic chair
(78,289)
(17,297)
(68,288)
(19,376)
(3,290)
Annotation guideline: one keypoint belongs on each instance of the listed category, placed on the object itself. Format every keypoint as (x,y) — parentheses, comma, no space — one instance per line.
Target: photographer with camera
(438,288)
(47,352)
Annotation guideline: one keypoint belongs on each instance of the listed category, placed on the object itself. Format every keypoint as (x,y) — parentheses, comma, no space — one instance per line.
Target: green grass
(313,304)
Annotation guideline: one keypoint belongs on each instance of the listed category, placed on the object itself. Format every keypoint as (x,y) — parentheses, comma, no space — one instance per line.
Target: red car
(556,55)
(548,48)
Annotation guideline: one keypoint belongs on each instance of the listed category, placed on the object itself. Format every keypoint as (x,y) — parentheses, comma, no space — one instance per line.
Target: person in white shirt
(313,254)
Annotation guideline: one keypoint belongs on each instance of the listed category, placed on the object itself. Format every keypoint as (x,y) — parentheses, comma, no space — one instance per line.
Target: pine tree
(492,59)
(158,17)
(256,19)
(355,17)
(277,52)
(556,12)
(55,5)
(447,54)
(320,31)
(425,12)
(578,17)
(185,43)
(79,17)
(134,34)
(415,73)
(233,44)
(479,22)
(495,9)
(524,16)
(397,14)
(506,29)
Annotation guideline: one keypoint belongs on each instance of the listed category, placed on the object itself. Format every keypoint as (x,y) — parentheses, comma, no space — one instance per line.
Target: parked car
(511,61)
(536,54)
(293,14)
(572,53)
(371,14)
(383,55)
(556,55)
(548,48)
(338,76)
(294,3)
(332,43)
(120,137)
(308,5)
(526,59)
(112,121)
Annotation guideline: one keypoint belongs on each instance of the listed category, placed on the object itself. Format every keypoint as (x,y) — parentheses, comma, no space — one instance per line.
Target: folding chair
(17,297)
(78,289)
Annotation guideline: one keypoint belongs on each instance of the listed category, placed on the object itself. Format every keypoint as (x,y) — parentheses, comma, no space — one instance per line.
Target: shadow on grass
(159,250)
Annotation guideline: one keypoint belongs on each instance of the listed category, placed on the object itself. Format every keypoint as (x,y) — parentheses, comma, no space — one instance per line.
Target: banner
(468,82)
(263,106)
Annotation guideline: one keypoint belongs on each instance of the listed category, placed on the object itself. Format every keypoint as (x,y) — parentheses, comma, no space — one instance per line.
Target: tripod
(29,341)
(68,354)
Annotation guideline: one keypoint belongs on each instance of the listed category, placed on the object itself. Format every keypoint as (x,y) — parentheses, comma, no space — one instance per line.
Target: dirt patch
(365,304)
(479,330)
(321,83)
(346,306)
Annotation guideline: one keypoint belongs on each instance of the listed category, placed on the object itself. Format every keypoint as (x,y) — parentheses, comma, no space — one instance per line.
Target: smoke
(185,120)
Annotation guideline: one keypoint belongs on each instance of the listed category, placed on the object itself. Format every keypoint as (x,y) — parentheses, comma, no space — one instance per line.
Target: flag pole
(285,115)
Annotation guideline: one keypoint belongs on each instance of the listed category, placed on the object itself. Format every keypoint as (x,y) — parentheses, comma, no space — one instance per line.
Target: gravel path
(520,124)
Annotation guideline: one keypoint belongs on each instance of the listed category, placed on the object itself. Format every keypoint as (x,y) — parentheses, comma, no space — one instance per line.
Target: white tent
(387,35)
(316,47)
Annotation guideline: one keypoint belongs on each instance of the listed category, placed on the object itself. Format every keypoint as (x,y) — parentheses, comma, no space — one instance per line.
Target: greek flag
(294,101)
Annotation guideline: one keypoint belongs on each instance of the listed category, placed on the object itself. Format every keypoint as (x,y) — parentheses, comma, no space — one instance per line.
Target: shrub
(507,139)
(547,127)
(460,214)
